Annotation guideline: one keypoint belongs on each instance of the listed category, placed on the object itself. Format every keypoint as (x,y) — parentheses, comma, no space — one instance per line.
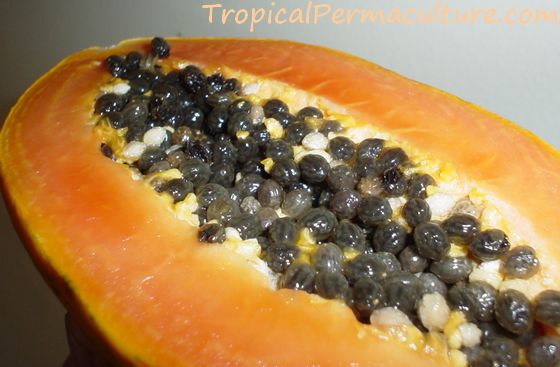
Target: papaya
(143,280)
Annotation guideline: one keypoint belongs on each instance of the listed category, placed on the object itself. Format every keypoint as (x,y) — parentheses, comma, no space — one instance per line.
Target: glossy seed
(331,285)
(370,148)
(285,172)
(278,149)
(431,241)
(249,185)
(196,171)
(150,156)
(296,203)
(367,295)
(116,66)
(374,210)
(368,167)
(247,149)
(416,211)
(375,266)
(503,348)
(223,210)
(210,192)
(402,290)
(295,132)
(513,311)
(418,186)
(389,237)
(392,158)
(178,188)
(247,225)
(520,262)
(321,222)
(224,151)
(266,217)
(344,204)
(342,177)
(108,103)
(271,194)
(250,205)
(309,111)
(412,261)
(222,174)
(330,126)
(393,182)
(328,257)
(284,118)
(314,168)
(452,269)
(432,284)
(462,226)
(279,258)
(349,235)
(299,277)
(489,244)
(342,148)
(160,47)
(476,299)
(544,352)
(283,231)
(273,106)
(547,307)
(212,233)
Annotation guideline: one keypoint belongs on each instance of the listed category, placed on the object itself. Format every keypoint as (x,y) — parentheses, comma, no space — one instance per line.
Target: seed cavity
(321,206)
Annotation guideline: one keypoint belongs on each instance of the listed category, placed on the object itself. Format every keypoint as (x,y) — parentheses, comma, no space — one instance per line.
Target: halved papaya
(139,277)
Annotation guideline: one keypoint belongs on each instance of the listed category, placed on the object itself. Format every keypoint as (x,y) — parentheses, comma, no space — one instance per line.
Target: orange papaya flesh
(158,297)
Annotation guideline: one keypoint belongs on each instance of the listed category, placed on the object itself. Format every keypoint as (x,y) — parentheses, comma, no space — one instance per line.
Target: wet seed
(279,258)
(389,237)
(342,148)
(431,241)
(320,222)
(331,285)
(416,211)
(520,262)
(283,231)
(210,192)
(344,204)
(547,307)
(299,277)
(476,299)
(374,210)
(412,261)
(349,235)
(341,177)
(452,269)
(212,233)
(489,244)
(367,295)
(247,225)
(463,226)
(513,311)
(296,203)
(178,188)
(222,210)
(314,168)
(271,194)
(544,352)
(328,257)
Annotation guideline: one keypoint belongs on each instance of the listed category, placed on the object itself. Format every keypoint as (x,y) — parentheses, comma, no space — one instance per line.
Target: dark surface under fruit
(365,257)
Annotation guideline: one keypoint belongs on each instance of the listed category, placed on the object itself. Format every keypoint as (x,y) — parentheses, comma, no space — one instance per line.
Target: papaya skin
(139,279)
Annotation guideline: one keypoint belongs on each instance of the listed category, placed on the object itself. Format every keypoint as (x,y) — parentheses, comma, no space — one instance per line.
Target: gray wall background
(511,70)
